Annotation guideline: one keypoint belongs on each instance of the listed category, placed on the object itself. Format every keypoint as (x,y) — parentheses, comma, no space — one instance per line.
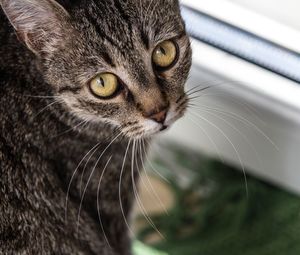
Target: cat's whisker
(218,84)
(205,86)
(209,138)
(130,129)
(148,180)
(231,143)
(200,90)
(151,165)
(98,200)
(228,113)
(139,135)
(82,123)
(73,176)
(193,88)
(191,105)
(218,110)
(182,105)
(241,119)
(247,106)
(84,168)
(135,191)
(42,97)
(241,134)
(183,96)
(90,177)
(195,97)
(120,188)
(48,106)
(136,132)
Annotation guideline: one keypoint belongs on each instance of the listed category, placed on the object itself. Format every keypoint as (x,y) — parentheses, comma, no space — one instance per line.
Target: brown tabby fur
(51,201)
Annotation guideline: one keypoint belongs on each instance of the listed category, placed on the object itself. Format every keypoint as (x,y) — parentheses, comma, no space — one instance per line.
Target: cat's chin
(147,128)
(155,128)
(152,128)
(161,129)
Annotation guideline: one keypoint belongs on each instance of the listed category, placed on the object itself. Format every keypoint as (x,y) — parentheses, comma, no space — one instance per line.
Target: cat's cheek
(173,116)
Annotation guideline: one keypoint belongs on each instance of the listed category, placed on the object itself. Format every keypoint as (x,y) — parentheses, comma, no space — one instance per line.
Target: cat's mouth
(150,128)
(164,127)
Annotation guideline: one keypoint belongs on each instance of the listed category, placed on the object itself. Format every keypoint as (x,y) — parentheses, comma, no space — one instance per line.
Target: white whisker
(245,105)
(233,146)
(148,180)
(98,199)
(73,176)
(210,139)
(41,97)
(83,170)
(242,135)
(243,120)
(82,123)
(120,189)
(151,165)
(48,106)
(90,177)
(138,199)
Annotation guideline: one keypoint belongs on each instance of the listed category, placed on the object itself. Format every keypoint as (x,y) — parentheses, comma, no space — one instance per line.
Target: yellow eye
(164,54)
(104,85)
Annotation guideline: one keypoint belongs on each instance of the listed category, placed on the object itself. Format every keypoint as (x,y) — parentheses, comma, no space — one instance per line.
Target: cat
(84,86)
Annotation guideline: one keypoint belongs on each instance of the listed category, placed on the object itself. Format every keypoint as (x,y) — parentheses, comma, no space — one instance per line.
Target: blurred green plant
(141,249)
(213,215)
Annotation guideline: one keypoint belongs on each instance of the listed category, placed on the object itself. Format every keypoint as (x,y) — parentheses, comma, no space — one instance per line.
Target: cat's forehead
(121,22)
(122,34)
(153,18)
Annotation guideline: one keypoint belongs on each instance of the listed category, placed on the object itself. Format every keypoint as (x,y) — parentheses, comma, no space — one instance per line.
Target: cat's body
(43,169)
(37,160)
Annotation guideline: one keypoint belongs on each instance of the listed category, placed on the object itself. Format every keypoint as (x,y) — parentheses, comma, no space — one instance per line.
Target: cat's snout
(159,117)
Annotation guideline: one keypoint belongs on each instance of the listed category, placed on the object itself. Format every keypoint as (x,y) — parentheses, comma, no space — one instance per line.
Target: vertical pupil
(101,82)
(163,51)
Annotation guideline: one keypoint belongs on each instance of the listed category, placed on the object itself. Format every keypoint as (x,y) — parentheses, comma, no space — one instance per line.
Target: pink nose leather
(159,117)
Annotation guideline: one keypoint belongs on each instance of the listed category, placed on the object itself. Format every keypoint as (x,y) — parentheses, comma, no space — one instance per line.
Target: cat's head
(124,62)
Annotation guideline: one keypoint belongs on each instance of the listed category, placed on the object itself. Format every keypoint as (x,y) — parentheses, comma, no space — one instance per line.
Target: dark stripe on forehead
(111,22)
(145,39)
(103,15)
(123,14)
(104,35)
(107,58)
(181,35)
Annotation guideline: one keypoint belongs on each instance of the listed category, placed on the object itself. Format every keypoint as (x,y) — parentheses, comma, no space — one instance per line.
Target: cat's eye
(104,85)
(165,55)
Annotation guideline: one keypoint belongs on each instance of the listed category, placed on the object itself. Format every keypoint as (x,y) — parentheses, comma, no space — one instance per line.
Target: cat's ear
(40,24)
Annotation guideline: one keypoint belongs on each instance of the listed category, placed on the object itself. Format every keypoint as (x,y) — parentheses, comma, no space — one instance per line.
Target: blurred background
(226,178)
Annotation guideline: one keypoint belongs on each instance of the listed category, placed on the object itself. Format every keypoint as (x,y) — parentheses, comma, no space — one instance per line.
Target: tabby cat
(84,85)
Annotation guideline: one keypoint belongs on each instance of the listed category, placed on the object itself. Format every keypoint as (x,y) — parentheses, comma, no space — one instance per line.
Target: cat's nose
(159,117)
